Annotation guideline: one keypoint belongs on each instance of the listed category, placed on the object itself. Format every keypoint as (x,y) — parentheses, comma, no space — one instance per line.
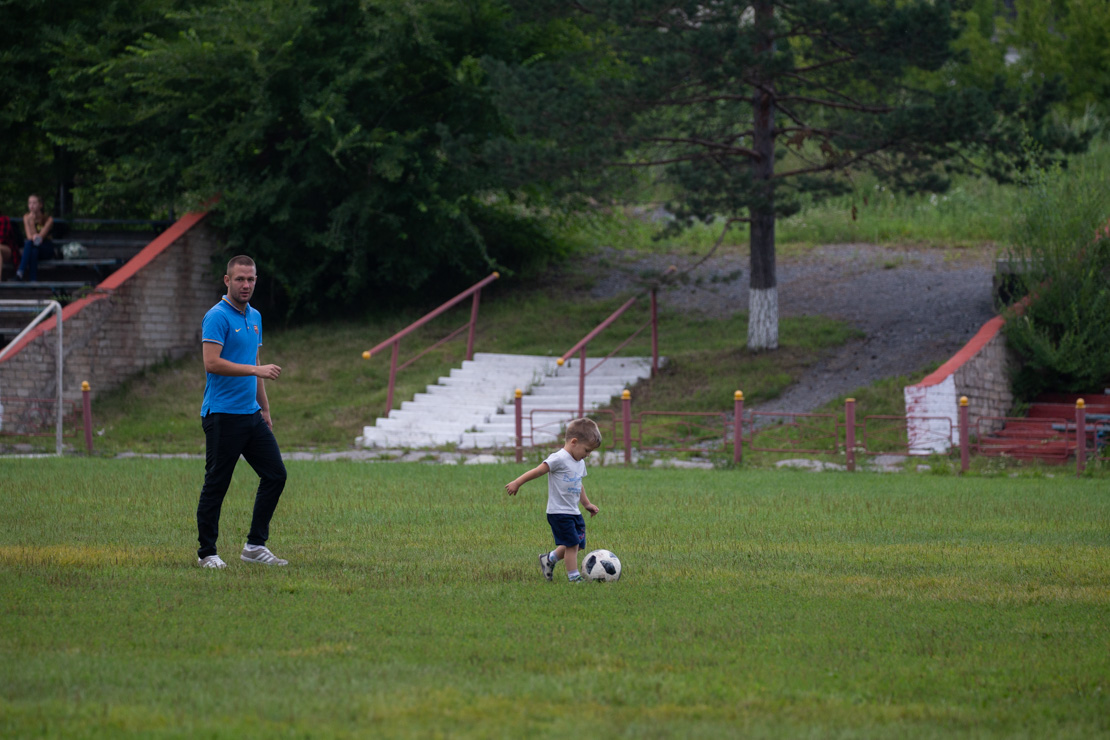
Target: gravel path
(914,306)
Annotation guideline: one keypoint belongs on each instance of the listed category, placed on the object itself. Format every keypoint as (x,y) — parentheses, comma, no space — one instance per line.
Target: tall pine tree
(749,106)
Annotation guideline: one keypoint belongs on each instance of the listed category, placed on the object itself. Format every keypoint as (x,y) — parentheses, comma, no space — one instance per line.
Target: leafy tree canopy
(337,136)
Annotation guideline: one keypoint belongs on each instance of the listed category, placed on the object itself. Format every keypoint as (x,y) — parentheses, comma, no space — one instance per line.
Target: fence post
(738,427)
(518,405)
(392,378)
(1080,437)
(86,410)
(850,433)
(654,333)
(626,424)
(582,383)
(965,441)
(473,323)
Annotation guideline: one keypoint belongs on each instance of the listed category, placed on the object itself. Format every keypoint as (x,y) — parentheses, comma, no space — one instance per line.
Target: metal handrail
(394,341)
(583,343)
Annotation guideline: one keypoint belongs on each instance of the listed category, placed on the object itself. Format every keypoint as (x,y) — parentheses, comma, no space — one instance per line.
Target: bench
(53,285)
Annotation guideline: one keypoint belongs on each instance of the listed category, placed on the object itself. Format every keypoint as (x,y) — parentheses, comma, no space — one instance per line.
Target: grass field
(753,603)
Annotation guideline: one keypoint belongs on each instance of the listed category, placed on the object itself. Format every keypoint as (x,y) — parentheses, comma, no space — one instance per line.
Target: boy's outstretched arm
(585,502)
(532,474)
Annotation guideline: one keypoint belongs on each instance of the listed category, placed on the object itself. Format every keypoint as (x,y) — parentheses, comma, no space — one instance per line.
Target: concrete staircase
(473,406)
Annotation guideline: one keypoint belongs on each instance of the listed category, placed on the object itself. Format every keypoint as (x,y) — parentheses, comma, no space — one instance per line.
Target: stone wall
(146,312)
(980,371)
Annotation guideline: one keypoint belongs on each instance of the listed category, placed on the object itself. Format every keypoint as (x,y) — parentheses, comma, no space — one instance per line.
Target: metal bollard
(737,427)
(86,409)
(1080,437)
(850,433)
(519,413)
(965,442)
(626,424)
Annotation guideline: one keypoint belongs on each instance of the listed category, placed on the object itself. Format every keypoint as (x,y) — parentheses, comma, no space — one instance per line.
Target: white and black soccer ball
(602,565)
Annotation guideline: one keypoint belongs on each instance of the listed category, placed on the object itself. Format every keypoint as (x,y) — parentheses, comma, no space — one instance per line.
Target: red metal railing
(554,423)
(580,347)
(882,434)
(681,431)
(474,292)
(821,433)
(1023,438)
(794,432)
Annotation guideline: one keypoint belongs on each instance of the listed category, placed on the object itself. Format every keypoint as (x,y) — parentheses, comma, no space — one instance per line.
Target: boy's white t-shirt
(564,482)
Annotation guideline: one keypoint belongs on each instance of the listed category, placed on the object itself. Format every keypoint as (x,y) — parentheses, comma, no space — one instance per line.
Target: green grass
(753,604)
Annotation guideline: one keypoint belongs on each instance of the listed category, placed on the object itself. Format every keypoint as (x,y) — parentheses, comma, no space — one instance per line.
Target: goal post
(44,309)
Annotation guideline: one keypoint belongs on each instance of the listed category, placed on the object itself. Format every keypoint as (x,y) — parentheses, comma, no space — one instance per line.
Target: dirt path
(915,307)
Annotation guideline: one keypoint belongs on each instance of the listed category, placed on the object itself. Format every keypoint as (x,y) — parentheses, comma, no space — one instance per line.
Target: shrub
(1061,255)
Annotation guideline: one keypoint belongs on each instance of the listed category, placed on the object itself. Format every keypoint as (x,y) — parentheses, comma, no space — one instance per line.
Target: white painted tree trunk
(763,319)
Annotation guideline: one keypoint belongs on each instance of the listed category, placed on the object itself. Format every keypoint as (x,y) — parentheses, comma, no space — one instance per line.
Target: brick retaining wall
(980,371)
(146,312)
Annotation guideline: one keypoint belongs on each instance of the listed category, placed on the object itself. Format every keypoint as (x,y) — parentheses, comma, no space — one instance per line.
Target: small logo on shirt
(236,331)
(256,328)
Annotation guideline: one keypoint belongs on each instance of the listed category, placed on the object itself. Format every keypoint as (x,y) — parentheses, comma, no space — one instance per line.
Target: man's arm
(217,365)
(263,401)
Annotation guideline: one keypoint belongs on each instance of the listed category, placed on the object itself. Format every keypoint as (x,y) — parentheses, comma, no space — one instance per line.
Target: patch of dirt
(916,307)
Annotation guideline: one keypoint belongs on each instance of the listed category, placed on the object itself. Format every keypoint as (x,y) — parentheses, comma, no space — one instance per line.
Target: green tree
(1067,40)
(749,107)
(338,137)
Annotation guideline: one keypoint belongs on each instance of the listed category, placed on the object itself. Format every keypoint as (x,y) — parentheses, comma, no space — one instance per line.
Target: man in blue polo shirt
(235,416)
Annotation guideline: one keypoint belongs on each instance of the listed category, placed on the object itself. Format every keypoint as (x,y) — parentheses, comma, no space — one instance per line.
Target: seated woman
(36,226)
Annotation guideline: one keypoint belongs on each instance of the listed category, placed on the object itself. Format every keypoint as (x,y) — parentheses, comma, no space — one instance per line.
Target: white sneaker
(212,561)
(261,555)
(546,566)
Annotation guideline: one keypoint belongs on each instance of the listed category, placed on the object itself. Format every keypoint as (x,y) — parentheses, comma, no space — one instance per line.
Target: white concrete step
(473,406)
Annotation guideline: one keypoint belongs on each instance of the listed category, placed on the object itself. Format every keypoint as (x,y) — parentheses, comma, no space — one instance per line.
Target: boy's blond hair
(584,430)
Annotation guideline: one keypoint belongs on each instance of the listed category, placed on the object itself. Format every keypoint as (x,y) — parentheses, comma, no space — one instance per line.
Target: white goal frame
(44,308)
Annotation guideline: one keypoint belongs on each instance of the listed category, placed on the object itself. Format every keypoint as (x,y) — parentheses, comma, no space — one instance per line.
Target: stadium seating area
(107,243)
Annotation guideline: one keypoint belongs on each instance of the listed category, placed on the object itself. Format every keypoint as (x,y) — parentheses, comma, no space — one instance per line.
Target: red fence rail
(686,431)
(828,434)
(817,434)
(1019,437)
(474,292)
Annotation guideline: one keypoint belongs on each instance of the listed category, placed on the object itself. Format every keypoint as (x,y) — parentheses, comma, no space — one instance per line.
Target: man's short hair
(584,430)
(240,259)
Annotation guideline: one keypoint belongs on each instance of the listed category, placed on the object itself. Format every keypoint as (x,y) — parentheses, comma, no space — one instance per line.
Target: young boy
(567,468)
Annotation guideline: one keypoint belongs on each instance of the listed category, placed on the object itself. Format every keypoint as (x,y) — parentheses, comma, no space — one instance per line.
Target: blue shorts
(569,529)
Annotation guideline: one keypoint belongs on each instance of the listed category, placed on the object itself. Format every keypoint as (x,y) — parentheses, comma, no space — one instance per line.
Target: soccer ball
(602,565)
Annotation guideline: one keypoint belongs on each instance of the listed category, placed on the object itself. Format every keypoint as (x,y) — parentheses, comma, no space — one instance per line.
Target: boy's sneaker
(546,566)
(261,555)
(576,579)
(212,561)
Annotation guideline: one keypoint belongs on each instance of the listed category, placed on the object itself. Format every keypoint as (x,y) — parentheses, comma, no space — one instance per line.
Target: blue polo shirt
(240,335)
